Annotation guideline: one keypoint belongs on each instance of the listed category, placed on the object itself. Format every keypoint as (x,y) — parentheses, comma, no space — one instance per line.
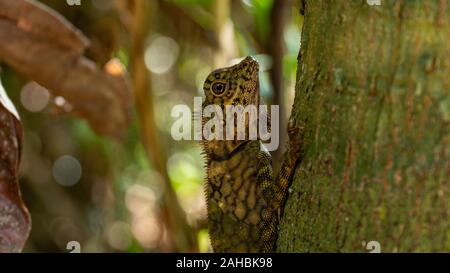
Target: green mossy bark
(373,107)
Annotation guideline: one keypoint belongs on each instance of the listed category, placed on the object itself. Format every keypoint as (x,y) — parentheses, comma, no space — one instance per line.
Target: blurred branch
(42,45)
(174,215)
(276,50)
(224,28)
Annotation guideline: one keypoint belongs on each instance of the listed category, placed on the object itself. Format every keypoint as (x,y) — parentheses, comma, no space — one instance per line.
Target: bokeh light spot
(140,200)
(161,55)
(34,97)
(62,103)
(115,68)
(67,170)
(146,231)
(119,235)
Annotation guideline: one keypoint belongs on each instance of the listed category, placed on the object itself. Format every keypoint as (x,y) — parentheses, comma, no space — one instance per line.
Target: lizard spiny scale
(243,198)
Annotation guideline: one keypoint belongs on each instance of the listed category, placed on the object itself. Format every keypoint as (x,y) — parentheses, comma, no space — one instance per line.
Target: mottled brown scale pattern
(241,218)
(243,198)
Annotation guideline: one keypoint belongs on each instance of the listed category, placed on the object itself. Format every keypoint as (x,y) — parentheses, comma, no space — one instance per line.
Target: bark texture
(372,106)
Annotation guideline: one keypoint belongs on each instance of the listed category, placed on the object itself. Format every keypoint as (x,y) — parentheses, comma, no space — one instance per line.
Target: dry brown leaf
(34,17)
(15,220)
(42,45)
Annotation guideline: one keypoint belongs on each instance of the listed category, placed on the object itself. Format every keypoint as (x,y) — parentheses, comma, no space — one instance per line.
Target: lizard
(244,199)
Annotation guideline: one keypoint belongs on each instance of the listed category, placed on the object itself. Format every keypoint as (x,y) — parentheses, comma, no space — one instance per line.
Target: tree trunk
(373,108)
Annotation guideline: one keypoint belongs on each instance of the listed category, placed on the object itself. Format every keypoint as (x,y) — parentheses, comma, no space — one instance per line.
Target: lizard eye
(218,88)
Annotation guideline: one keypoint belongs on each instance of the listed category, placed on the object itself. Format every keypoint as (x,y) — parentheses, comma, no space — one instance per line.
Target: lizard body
(244,200)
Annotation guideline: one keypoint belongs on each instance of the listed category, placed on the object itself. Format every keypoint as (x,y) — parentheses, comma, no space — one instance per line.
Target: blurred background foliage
(145,193)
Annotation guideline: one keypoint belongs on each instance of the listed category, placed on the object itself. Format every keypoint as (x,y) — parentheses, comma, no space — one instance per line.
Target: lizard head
(237,85)
(234,85)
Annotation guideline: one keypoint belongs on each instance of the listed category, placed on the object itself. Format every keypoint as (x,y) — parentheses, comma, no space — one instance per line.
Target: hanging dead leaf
(42,45)
(15,220)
